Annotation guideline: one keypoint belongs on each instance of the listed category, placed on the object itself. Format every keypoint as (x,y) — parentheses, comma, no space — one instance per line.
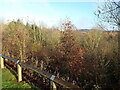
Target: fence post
(6,59)
(52,84)
(19,68)
(1,62)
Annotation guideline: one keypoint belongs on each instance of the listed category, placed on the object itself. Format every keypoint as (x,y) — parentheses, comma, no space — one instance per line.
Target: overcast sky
(51,13)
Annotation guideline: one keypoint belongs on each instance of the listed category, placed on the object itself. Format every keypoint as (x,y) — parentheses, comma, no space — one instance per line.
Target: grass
(10,81)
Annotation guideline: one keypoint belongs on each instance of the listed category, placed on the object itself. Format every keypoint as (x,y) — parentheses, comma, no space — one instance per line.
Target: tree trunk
(41,65)
(36,62)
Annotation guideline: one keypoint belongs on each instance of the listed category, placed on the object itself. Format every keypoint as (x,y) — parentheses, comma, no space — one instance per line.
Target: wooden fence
(49,76)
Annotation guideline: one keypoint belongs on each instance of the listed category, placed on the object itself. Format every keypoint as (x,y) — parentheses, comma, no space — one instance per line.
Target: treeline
(89,60)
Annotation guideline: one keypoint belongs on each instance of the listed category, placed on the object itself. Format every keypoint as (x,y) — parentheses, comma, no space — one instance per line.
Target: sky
(50,13)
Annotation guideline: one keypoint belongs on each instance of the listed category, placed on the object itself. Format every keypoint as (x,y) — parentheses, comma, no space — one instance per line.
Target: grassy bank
(10,81)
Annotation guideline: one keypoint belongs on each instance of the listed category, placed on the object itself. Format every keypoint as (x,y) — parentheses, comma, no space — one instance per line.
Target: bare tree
(109,12)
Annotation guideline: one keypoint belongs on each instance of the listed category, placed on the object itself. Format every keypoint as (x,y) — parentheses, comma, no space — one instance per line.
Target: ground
(10,81)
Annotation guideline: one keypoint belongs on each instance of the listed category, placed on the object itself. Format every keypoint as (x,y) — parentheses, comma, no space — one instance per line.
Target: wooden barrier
(43,73)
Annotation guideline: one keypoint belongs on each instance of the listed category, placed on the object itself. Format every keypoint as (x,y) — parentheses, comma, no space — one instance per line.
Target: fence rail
(43,73)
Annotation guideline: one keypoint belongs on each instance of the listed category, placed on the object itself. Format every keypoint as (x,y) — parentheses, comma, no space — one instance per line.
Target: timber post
(19,69)
(52,84)
(1,62)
